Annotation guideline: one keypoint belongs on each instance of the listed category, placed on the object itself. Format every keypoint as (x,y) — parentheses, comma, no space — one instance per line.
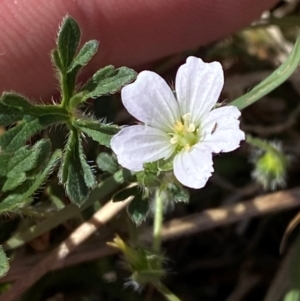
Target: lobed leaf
(108,81)
(107,162)
(102,133)
(85,54)
(8,115)
(4,264)
(138,209)
(88,174)
(67,42)
(102,190)
(178,193)
(23,160)
(22,195)
(16,137)
(21,106)
(75,173)
(4,159)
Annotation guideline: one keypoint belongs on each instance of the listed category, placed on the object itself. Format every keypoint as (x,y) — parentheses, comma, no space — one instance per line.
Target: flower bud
(270,166)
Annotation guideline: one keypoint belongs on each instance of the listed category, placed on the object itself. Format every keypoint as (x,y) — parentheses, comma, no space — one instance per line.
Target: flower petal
(220,130)
(151,100)
(139,144)
(193,168)
(198,87)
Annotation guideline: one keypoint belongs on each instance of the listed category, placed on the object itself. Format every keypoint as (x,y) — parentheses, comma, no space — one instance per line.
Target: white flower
(184,127)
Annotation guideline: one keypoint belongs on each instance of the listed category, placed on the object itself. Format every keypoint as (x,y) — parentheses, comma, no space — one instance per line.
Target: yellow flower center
(185,134)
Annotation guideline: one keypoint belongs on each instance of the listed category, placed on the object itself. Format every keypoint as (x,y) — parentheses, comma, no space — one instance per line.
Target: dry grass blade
(52,261)
(195,223)
(212,218)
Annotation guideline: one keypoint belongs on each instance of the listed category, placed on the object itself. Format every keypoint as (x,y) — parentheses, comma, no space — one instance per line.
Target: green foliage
(177,193)
(4,264)
(22,106)
(138,209)
(107,162)
(101,133)
(23,160)
(75,173)
(23,167)
(85,54)
(22,195)
(108,81)
(67,42)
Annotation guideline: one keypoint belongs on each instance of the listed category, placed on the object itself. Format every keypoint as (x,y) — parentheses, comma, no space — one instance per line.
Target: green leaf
(178,193)
(4,159)
(281,74)
(16,101)
(22,195)
(108,81)
(24,159)
(138,209)
(13,182)
(56,60)
(44,154)
(125,193)
(107,162)
(99,132)
(75,173)
(67,42)
(103,190)
(8,115)
(4,264)
(148,179)
(85,54)
(16,137)
(89,177)
(22,106)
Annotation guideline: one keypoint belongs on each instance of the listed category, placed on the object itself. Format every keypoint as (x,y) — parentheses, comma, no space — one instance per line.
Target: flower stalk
(166,292)
(158,220)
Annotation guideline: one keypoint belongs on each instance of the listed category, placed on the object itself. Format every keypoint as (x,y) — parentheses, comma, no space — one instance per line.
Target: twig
(52,261)
(188,225)
(213,218)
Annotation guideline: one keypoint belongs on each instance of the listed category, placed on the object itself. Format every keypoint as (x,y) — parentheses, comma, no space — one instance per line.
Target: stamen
(174,140)
(179,127)
(187,117)
(191,128)
(185,133)
(187,147)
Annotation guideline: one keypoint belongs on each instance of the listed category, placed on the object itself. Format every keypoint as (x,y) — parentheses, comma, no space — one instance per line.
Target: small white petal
(198,87)
(139,144)
(220,130)
(193,168)
(151,101)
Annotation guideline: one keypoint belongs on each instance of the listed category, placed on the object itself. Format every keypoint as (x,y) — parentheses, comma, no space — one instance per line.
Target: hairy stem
(158,220)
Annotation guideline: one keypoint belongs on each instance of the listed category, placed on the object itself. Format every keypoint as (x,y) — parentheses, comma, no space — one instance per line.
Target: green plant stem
(281,74)
(65,91)
(158,220)
(166,292)
(262,144)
